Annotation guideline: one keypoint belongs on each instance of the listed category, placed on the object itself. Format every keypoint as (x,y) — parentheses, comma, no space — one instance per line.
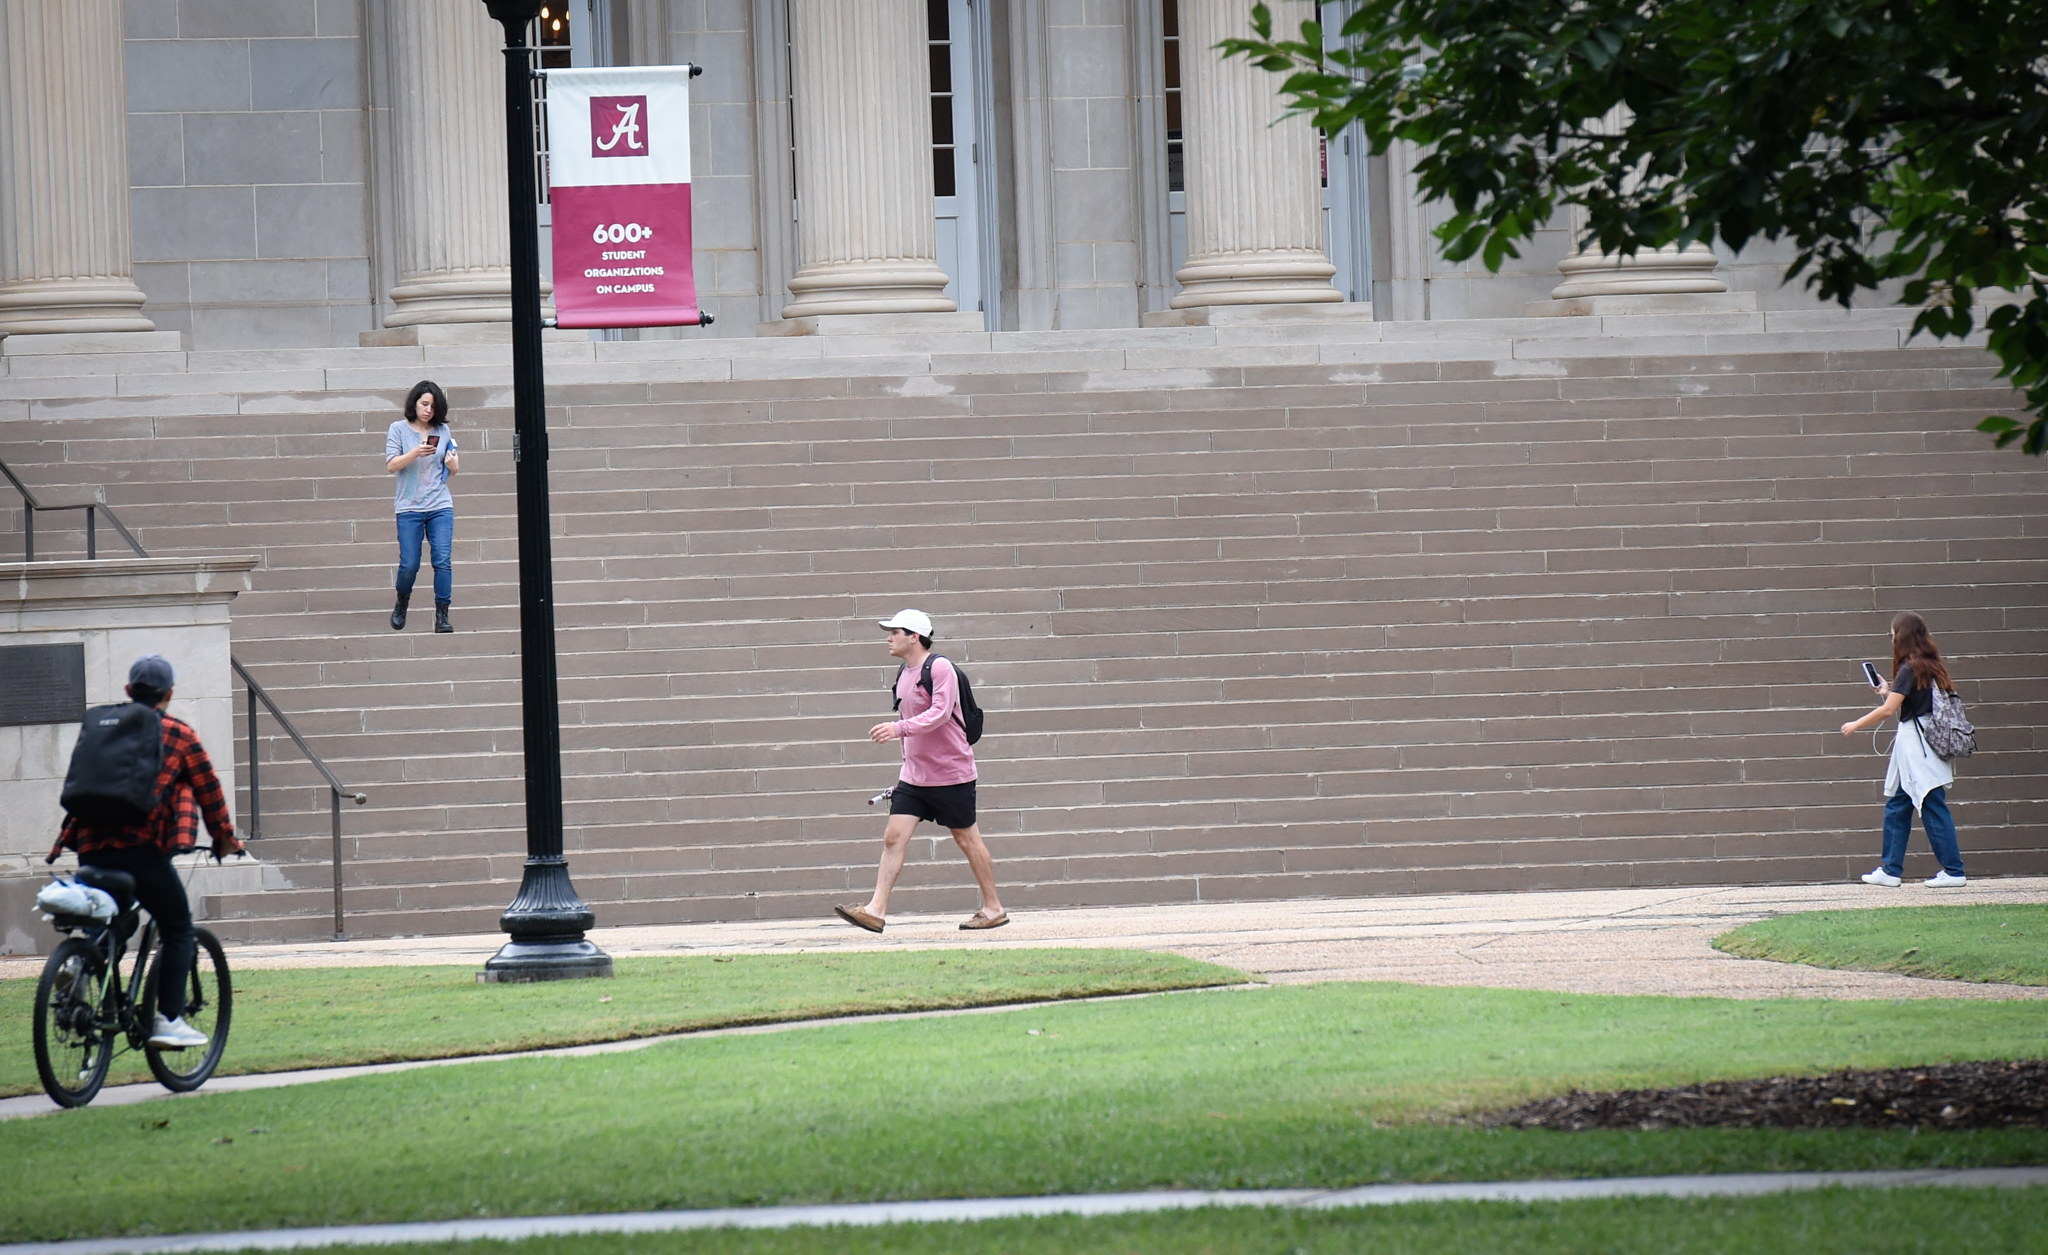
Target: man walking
(188,793)
(938,777)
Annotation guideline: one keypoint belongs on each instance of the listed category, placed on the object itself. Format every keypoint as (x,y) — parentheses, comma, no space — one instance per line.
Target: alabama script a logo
(618,126)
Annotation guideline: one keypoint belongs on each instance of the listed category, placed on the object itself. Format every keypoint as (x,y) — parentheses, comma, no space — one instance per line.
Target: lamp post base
(523,961)
(547,922)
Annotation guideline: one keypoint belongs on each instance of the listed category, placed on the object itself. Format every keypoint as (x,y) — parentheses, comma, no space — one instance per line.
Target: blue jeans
(1934,817)
(438,526)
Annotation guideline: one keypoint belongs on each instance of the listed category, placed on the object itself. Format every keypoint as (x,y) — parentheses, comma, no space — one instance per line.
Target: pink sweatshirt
(935,749)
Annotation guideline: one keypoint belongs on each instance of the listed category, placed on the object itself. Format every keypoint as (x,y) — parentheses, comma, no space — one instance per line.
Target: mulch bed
(1991,1095)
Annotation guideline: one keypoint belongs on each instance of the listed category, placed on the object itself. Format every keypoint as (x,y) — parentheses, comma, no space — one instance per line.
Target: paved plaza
(1602,941)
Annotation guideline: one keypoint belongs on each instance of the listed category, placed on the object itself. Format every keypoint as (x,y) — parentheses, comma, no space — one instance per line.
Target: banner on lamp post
(619,180)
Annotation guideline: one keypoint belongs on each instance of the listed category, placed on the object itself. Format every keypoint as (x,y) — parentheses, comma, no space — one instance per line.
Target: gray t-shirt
(424,484)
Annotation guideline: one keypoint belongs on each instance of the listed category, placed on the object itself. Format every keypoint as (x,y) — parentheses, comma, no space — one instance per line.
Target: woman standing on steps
(1918,778)
(420,450)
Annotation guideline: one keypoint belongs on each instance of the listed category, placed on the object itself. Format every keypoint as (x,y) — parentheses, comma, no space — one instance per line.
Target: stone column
(65,248)
(1254,203)
(861,91)
(448,170)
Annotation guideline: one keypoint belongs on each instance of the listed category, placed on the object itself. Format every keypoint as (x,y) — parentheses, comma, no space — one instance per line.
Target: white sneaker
(1942,880)
(1881,877)
(174,1034)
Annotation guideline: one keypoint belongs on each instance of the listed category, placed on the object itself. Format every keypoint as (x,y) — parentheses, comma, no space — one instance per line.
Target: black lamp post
(546,920)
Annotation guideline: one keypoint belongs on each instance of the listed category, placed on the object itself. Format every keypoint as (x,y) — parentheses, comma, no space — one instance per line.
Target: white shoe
(174,1034)
(1881,877)
(1942,880)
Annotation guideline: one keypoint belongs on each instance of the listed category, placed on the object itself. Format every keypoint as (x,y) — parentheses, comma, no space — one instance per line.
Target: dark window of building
(1174,166)
(941,38)
(550,37)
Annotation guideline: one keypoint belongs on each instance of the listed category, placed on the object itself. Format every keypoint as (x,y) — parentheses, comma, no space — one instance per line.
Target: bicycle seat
(107,880)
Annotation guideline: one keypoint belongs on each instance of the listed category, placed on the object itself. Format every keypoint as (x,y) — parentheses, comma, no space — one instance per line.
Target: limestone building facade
(296,173)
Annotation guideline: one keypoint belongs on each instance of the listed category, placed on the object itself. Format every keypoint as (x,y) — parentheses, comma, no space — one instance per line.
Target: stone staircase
(1256,612)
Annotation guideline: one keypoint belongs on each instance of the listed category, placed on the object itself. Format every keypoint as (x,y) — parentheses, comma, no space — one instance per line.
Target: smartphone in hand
(434,442)
(1871,677)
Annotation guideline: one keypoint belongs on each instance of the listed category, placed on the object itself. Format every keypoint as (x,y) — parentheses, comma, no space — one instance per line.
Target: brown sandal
(978,921)
(859,918)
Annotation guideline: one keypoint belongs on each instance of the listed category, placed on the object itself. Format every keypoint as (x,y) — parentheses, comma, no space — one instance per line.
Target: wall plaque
(42,684)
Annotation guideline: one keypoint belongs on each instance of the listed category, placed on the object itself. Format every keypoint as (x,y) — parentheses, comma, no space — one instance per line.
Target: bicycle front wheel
(209,1006)
(72,1048)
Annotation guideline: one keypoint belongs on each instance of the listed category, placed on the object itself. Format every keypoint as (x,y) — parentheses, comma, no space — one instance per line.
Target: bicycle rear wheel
(209,1006)
(72,1051)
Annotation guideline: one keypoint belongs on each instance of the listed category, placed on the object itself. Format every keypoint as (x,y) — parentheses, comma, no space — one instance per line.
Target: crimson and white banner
(619,173)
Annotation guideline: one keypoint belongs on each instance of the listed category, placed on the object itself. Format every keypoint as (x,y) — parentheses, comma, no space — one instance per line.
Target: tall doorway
(1347,198)
(963,200)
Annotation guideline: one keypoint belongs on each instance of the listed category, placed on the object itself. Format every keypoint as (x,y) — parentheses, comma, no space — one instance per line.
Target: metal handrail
(336,789)
(93,509)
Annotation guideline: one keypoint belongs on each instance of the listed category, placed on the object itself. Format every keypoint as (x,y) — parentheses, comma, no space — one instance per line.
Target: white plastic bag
(68,897)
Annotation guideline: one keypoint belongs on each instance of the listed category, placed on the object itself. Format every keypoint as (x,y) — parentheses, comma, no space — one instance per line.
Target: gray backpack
(1946,729)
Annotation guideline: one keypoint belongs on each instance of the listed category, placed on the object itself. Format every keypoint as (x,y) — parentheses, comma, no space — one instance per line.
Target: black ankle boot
(398,612)
(441,623)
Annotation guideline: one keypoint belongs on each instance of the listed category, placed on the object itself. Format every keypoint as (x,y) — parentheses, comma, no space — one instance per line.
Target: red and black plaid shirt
(187,792)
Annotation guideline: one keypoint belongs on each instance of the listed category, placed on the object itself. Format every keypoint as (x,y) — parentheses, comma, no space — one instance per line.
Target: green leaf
(1887,147)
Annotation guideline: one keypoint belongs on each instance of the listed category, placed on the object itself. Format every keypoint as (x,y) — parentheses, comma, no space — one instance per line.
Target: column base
(873,324)
(24,344)
(461,297)
(897,285)
(1255,315)
(1643,303)
(1667,271)
(1265,277)
(92,305)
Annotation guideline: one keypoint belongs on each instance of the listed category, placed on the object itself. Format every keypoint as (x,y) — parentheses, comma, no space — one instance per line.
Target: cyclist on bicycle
(188,791)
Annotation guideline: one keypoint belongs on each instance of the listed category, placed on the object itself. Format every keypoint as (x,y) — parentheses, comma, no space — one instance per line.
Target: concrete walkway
(510,1229)
(1609,941)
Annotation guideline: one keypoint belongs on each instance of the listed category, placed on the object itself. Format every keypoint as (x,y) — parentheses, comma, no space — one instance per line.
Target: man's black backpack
(969,714)
(114,766)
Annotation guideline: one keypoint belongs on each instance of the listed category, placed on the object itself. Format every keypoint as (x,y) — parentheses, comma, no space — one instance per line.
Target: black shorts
(947,805)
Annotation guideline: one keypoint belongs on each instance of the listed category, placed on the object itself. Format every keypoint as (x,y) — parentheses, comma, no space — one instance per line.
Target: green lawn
(1827,1222)
(2006,944)
(326,1017)
(1325,1085)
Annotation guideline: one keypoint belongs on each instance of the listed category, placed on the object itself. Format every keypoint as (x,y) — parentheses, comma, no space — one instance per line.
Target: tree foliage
(1892,141)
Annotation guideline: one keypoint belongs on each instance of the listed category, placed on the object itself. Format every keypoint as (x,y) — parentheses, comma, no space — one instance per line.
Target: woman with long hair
(420,450)
(1918,778)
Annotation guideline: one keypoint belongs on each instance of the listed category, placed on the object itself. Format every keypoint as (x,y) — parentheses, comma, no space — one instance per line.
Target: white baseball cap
(911,621)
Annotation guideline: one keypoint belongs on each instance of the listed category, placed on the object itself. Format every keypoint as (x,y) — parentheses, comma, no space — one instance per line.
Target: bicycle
(83,1009)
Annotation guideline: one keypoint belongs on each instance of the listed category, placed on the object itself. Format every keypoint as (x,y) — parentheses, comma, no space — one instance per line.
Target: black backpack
(114,766)
(969,714)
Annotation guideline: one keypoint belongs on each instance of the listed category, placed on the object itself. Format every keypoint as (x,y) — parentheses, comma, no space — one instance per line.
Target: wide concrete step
(1423,617)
